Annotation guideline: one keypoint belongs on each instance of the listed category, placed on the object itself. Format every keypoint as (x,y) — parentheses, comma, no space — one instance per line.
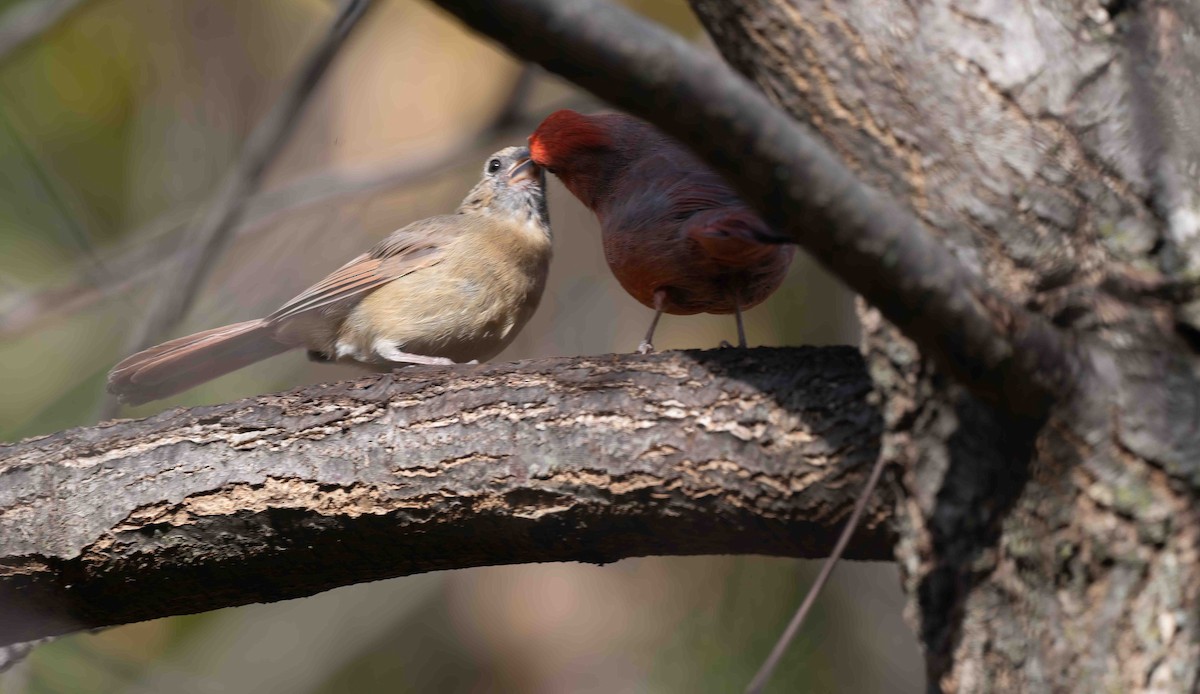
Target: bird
(448,289)
(676,236)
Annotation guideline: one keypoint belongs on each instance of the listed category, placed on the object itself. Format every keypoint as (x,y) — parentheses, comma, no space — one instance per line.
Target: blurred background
(116,127)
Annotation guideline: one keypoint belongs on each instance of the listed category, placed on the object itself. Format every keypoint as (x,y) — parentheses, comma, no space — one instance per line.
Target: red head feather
(563,135)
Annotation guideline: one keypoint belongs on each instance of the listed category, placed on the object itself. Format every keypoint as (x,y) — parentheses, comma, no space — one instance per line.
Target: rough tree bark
(1048,529)
(1046,144)
(1038,390)
(591,459)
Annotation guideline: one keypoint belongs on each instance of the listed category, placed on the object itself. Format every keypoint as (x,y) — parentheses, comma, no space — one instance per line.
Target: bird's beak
(523,170)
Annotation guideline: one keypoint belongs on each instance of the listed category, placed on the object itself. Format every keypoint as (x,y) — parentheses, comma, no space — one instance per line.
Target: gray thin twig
(208,238)
(28,20)
(768,667)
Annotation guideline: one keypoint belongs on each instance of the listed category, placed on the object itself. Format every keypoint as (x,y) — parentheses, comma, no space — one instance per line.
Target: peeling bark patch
(274,493)
(16,566)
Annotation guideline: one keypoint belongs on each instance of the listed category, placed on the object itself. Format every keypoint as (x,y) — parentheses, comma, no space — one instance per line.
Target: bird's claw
(645,348)
(725,344)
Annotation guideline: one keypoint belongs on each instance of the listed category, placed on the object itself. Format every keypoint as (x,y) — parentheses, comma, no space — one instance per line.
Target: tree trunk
(1053,147)
(1030,252)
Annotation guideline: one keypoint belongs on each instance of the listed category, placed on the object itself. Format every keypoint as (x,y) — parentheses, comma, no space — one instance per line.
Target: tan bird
(448,289)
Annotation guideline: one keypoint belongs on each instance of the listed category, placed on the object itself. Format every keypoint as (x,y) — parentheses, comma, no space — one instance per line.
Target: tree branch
(1004,354)
(588,459)
(152,249)
(204,242)
(28,20)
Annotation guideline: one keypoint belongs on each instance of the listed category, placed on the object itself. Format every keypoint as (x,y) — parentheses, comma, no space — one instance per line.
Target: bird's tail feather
(736,238)
(186,362)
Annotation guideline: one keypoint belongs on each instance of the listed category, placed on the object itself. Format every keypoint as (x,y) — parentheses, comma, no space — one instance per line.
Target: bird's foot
(645,348)
(725,344)
(394,354)
(427,361)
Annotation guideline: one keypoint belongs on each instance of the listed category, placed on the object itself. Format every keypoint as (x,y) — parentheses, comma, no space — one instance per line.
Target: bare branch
(153,253)
(1003,353)
(25,21)
(810,598)
(71,227)
(329,186)
(209,237)
(588,459)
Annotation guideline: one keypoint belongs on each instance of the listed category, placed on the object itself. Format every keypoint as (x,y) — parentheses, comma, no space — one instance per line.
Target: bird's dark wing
(673,190)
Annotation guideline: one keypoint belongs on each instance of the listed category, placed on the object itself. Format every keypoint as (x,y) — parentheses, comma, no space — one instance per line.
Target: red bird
(676,235)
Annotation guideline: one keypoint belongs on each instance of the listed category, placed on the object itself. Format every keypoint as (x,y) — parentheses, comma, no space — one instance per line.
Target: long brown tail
(186,362)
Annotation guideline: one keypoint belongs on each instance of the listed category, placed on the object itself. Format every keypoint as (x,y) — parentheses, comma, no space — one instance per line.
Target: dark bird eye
(493,166)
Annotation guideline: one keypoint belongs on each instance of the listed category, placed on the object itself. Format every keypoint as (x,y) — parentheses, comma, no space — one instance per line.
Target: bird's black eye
(493,166)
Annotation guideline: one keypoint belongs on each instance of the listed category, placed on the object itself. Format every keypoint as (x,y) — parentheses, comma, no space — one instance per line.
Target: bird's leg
(737,311)
(392,353)
(647,345)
